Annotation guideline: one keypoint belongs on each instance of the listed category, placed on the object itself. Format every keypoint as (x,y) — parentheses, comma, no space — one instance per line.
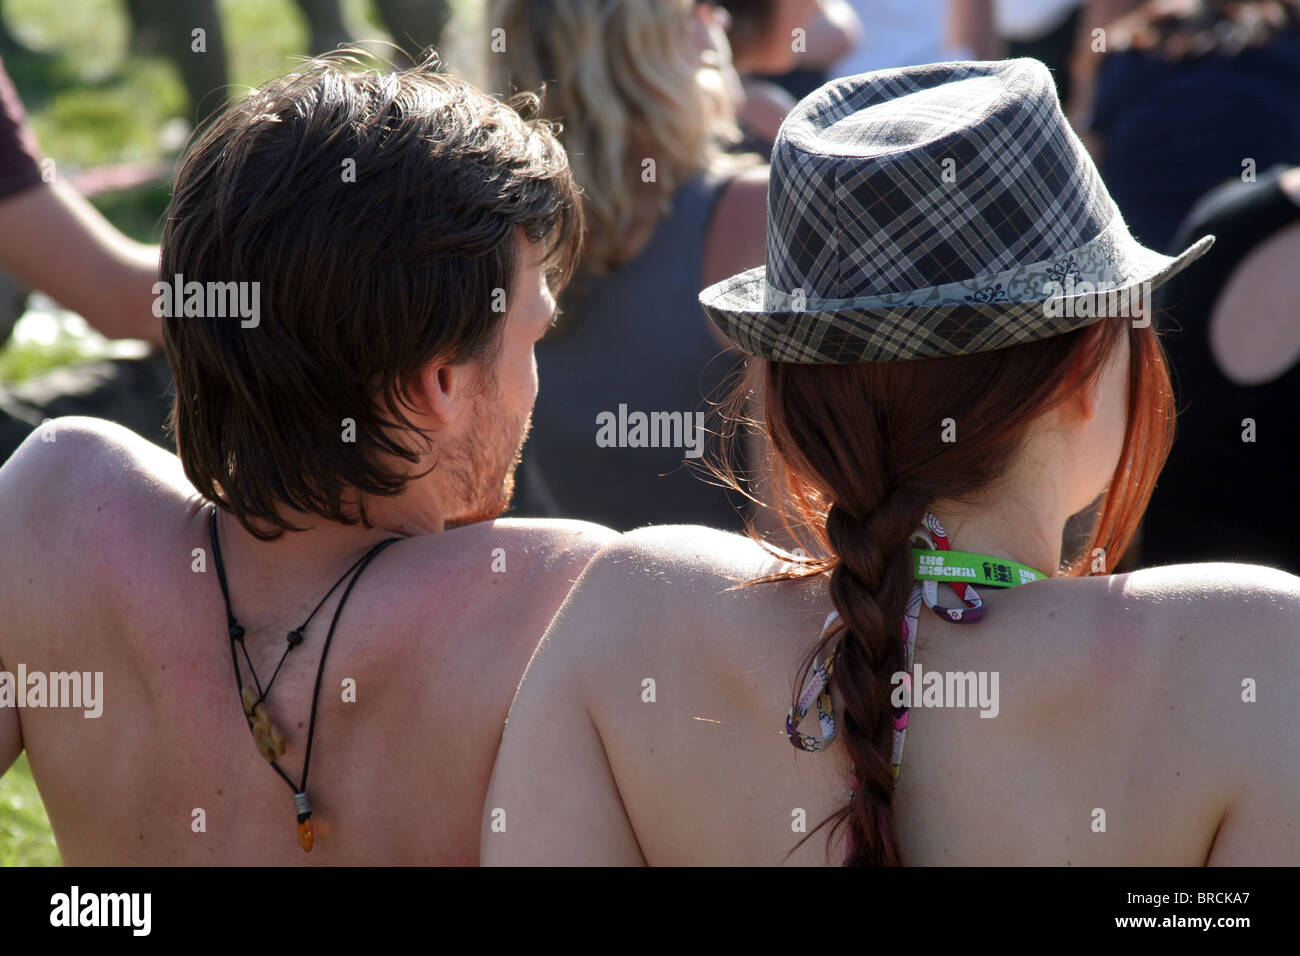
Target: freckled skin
(434,640)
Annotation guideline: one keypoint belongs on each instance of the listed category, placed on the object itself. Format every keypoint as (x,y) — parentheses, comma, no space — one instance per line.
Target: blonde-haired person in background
(770,39)
(646,96)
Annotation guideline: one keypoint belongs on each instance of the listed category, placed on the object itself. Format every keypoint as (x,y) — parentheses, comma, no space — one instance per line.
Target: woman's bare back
(1140,719)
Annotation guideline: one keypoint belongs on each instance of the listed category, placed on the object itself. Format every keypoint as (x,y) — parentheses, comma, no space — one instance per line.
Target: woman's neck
(1028,528)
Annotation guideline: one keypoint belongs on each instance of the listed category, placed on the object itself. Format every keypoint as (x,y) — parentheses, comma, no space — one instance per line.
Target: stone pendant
(270,741)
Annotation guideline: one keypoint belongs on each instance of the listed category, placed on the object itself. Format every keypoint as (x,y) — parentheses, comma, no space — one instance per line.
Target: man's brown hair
(379,212)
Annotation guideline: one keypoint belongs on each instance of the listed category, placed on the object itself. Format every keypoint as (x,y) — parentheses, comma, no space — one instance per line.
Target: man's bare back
(97,575)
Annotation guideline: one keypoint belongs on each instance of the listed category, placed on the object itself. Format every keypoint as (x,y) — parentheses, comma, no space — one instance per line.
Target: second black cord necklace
(270,741)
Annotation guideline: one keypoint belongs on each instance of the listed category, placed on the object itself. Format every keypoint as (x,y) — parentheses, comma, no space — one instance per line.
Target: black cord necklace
(270,741)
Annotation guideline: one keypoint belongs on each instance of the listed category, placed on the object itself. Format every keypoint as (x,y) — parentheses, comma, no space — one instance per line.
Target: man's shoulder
(552,539)
(73,474)
(523,565)
(691,550)
(670,555)
(83,503)
(542,547)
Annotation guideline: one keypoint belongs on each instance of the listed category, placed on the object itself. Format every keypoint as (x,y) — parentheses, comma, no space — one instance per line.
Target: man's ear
(441,390)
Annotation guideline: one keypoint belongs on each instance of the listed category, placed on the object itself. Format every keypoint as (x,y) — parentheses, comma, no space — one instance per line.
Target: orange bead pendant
(304,835)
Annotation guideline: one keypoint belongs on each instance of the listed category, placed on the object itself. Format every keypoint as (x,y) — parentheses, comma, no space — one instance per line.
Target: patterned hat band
(1111,276)
(1110,262)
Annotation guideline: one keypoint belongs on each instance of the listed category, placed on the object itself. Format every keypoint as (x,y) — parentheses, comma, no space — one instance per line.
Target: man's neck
(406,515)
(322,546)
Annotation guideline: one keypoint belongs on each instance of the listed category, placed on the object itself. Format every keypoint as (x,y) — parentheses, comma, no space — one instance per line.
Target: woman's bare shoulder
(1187,642)
(678,570)
(1211,591)
(1207,615)
(1220,701)
(1183,613)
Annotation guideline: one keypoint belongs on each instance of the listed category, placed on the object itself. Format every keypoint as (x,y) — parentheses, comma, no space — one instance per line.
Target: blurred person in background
(1234,343)
(1190,93)
(914,32)
(167,28)
(52,239)
(645,91)
(1095,21)
(782,50)
(1046,30)
(413,24)
(190,35)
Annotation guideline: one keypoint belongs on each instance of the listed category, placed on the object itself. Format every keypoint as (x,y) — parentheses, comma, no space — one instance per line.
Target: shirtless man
(384,219)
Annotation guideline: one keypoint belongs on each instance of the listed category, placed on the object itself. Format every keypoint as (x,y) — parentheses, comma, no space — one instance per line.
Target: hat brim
(902,333)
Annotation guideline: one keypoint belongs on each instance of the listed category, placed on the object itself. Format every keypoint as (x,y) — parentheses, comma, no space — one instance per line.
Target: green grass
(25,837)
(91,102)
(21,361)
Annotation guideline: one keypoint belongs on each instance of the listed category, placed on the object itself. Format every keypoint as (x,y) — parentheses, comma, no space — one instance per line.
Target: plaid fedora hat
(928,211)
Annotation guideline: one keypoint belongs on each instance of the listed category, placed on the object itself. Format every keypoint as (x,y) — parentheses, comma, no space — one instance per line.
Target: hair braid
(870,583)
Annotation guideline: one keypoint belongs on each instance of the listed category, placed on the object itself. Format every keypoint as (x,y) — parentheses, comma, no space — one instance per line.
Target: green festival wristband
(971,568)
